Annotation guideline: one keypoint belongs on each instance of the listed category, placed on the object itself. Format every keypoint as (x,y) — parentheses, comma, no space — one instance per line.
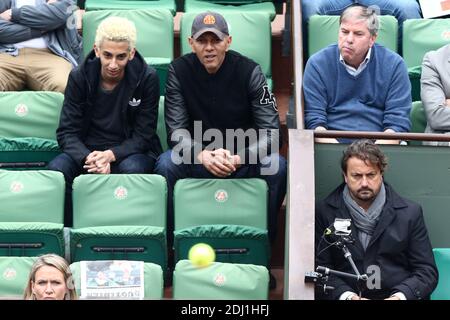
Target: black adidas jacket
(140,119)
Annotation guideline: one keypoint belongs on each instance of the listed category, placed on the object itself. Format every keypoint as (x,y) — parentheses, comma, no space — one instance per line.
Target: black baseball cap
(209,22)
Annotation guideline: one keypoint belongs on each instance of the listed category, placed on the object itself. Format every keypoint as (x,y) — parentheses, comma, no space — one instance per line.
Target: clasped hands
(99,162)
(219,162)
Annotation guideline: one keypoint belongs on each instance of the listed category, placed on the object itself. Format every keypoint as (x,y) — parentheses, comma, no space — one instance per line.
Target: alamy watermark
(254,146)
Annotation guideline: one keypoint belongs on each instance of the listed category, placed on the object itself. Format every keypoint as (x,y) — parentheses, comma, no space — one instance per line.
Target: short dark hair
(365,150)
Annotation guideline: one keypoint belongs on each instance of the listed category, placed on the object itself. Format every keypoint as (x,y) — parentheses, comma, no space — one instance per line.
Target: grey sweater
(55,22)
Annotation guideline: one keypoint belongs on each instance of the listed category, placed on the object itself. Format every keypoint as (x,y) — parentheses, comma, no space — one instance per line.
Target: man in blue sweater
(357,85)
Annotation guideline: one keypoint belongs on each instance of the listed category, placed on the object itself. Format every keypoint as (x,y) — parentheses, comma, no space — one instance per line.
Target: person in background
(50,279)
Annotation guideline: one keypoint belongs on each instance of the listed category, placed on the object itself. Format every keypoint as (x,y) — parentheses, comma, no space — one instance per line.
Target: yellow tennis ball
(202,255)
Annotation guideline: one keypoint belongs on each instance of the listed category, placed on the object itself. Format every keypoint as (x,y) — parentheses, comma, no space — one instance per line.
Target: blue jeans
(276,183)
(136,163)
(400,9)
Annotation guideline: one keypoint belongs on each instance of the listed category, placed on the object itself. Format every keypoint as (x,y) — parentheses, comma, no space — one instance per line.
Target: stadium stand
(28,131)
(323,31)
(31,213)
(228,214)
(419,37)
(225,281)
(223,6)
(121,217)
(418,117)
(256,26)
(153,281)
(92,5)
(14,271)
(442,258)
(152,26)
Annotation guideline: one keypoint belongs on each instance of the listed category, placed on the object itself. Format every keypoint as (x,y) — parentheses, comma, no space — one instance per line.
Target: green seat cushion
(119,200)
(161,65)
(418,117)
(161,127)
(14,272)
(30,114)
(153,279)
(149,242)
(31,151)
(170,5)
(264,7)
(31,238)
(414,77)
(442,258)
(232,243)
(220,281)
(31,196)
(220,201)
(323,31)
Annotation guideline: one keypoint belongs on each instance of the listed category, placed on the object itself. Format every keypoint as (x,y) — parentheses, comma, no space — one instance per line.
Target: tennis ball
(202,255)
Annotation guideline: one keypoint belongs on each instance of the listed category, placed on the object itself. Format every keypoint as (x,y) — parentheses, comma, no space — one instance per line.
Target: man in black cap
(216,97)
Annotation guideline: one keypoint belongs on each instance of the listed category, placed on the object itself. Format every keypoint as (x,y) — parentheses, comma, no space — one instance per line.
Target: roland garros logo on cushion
(16,187)
(9,274)
(219,279)
(21,110)
(221,195)
(120,193)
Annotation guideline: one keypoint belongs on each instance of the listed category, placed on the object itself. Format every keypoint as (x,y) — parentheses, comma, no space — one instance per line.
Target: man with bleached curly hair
(110,111)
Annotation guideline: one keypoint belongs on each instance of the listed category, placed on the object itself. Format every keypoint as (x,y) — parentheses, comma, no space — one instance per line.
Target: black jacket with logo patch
(235,97)
(139,103)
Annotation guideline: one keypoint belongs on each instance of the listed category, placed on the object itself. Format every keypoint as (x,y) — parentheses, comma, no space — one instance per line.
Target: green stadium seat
(161,126)
(28,132)
(31,213)
(154,36)
(225,281)
(14,273)
(419,37)
(119,217)
(153,280)
(228,214)
(92,5)
(252,37)
(418,117)
(245,6)
(323,30)
(442,258)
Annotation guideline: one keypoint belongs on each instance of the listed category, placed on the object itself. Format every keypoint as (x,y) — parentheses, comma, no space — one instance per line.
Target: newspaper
(112,279)
(435,8)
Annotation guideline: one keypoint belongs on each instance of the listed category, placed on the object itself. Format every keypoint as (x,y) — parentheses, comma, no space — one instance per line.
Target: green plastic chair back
(30,114)
(119,217)
(257,6)
(91,5)
(31,212)
(442,258)
(228,214)
(161,126)
(323,30)
(225,281)
(14,272)
(119,199)
(418,117)
(251,32)
(153,279)
(419,37)
(220,201)
(31,196)
(154,35)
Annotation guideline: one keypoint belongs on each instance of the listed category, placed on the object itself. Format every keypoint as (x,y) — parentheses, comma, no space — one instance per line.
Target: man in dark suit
(391,243)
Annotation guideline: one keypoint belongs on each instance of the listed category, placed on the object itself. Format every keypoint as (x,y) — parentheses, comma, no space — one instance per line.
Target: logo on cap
(209,19)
